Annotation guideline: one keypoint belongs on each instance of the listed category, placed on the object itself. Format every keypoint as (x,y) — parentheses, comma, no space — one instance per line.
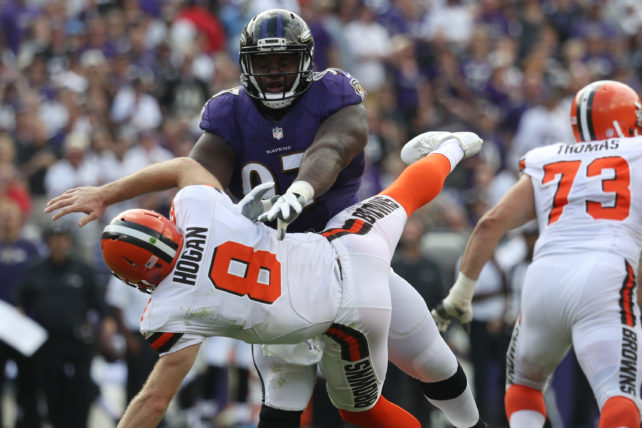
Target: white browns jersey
(228,281)
(588,197)
(234,278)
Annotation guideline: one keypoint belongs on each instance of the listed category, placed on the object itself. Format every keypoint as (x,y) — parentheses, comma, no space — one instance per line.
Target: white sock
(451,149)
(527,419)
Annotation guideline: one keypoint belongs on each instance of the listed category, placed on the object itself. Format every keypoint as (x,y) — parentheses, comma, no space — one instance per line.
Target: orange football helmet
(606,109)
(141,247)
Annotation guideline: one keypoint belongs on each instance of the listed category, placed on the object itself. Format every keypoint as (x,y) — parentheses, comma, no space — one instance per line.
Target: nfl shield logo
(277,132)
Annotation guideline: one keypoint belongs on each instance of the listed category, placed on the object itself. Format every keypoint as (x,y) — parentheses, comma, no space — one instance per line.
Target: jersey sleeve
(341,90)
(188,202)
(533,161)
(218,112)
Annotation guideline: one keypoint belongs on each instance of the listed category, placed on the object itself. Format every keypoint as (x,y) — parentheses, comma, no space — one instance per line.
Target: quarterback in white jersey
(580,289)
(215,272)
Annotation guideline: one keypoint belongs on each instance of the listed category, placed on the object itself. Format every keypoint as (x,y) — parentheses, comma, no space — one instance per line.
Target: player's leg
(541,338)
(433,155)
(620,412)
(287,389)
(354,365)
(606,339)
(417,348)
(355,352)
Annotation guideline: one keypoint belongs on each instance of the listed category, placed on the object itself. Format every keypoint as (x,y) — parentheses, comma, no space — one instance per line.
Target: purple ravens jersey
(269,150)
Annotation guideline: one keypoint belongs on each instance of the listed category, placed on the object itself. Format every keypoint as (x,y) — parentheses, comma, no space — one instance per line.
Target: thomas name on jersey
(186,269)
(588,147)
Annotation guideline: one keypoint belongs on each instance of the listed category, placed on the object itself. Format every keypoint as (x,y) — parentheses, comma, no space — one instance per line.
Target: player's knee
(446,389)
(276,418)
(619,412)
(520,397)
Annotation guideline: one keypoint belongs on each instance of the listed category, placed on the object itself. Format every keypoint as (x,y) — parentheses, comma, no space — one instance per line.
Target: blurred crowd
(91,90)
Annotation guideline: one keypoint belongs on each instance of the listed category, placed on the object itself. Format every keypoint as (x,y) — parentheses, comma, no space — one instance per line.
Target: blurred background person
(60,293)
(17,254)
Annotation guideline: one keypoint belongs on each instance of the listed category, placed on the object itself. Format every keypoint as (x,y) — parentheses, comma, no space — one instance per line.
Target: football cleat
(426,143)
(469,142)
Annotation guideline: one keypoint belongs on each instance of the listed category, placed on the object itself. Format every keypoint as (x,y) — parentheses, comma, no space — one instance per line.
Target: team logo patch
(277,133)
(358,88)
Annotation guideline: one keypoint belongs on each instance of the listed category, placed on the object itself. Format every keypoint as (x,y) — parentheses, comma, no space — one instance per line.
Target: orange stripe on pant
(156,344)
(356,227)
(353,344)
(627,298)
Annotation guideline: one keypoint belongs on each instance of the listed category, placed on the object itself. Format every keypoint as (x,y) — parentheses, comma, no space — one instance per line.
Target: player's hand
(284,210)
(253,205)
(446,311)
(88,200)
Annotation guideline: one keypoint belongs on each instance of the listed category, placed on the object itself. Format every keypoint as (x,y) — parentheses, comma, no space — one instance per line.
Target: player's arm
(148,407)
(215,155)
(338,140)
(178,172)
(516,208)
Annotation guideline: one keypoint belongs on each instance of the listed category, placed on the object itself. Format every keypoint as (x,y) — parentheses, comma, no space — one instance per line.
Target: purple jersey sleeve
(271,150)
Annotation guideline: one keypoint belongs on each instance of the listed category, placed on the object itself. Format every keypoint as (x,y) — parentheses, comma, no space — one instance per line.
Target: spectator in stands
(11,184)
(546,122)
(370,43)
(133,107)
(16,255)
(59,294)
(77,167)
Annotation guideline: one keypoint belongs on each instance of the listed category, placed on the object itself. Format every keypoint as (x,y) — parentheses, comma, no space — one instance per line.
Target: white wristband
(302,188)
(462,290)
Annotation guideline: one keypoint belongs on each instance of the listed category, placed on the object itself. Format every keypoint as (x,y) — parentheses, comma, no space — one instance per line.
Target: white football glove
(457,305)
(289,205)
(253,205)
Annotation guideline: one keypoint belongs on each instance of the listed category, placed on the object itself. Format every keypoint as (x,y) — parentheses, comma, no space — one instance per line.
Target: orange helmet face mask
(606,109)
(141,247)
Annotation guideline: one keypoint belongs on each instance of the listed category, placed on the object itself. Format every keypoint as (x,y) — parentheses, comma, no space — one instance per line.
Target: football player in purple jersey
(306,132)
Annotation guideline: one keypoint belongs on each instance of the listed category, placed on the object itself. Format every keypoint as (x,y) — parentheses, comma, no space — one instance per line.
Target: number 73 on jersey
(569,172)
